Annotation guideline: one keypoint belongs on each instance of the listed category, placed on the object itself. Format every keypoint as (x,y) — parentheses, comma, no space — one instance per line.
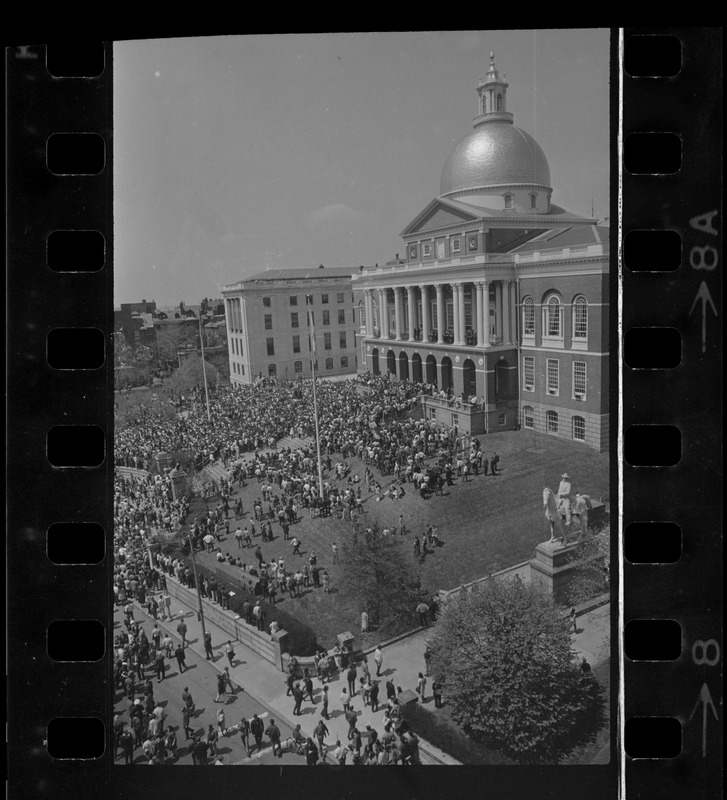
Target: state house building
(267,327)
(502,295)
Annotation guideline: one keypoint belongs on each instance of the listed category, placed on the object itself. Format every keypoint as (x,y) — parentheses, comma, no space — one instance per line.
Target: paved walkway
(403,660)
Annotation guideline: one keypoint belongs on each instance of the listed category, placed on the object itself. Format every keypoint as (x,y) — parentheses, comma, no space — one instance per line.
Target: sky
(236,154)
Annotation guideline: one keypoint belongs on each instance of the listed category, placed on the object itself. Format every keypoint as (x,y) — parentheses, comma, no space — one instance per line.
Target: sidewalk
(403,660)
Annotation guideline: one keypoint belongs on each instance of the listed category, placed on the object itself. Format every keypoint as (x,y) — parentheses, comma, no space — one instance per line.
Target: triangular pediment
(438,214)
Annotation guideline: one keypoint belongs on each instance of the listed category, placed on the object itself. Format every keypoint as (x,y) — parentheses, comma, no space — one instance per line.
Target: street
(200,677)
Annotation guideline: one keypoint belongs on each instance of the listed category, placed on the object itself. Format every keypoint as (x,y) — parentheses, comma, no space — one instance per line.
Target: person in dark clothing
(437,692)
(298,697)
(308,683)
(374,696)
(208,645)
(390,690)
(311,753)
(179,655)
(199,753)
(273,733)
(256,729)
(351,678)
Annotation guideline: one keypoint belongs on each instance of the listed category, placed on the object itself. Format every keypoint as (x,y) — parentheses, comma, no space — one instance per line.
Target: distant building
(267,328)
(134,320)
(502,298)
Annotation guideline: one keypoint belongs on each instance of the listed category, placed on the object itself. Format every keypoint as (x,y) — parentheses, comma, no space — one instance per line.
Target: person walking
(334,550)
(423,611)
(244,728)
(221,722)
(182,631)
(311,753)
(427,659)
(324,710)
(230,652)
(298,698)
(185,723)
(256,729)
(308,684)
(320,732)
(160,666)
(228,681)
(180,656)
(187,699)
(374,696)
(208,646)
(364,622)
(345,699)
(273,733)
(378,660)
(221,687)
(199,753)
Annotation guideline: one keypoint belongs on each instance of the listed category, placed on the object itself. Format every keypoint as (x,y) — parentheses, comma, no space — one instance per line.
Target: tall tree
(378,574)
(504,655)
(593,563)
(190,374)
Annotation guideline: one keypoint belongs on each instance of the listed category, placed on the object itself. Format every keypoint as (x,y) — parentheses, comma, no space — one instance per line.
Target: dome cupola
(497,159)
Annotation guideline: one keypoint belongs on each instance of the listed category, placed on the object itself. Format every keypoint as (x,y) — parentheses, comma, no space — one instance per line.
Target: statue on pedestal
(563,510)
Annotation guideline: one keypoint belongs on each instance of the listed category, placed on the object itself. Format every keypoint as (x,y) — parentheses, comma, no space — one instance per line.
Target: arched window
(499,102)
(528,317)
(361,315)
(580,318)
(484,104)
(508,201)
(553,318)
(579,429)
(551,421)
(533,201)
(528,417)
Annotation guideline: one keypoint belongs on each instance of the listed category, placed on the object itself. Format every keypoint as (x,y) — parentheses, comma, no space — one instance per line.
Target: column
(456,287)
(476,302)
(461,327)
(440,313)
(485,314)
(397,313)
(515,318)
(426,321)
(369,304)
(383,314)
(498,310)
(411,305)
(506,312)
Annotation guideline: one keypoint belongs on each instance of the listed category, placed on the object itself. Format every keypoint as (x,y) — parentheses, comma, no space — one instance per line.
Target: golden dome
(496,153)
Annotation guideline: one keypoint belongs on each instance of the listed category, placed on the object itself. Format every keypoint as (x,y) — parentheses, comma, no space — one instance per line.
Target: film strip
(60,411)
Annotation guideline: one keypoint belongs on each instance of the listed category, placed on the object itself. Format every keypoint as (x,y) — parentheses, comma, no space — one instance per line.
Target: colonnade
(234,313)
(414,310)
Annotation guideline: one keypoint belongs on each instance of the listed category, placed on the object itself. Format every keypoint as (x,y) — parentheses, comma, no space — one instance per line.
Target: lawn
(486,524)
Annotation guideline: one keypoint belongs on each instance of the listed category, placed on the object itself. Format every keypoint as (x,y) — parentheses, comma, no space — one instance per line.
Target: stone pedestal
(280,646)
(179,479)
(553,567)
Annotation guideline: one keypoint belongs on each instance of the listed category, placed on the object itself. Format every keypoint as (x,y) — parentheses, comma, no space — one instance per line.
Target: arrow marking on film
(705,698)
(704,295)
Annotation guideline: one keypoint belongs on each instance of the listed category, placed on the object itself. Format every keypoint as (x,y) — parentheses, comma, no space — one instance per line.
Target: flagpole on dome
(312,334)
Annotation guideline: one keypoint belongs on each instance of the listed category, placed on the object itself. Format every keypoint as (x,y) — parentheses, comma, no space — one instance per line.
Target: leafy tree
(591,575)
(190,375)
(172,336)
(377,572)
(504,655)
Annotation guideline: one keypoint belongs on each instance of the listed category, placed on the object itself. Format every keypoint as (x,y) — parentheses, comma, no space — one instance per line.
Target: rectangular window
(579,380)
(339,297)
(294,320)
(298,366)
(268,322)
(432,413)
(426,250)
(529,373)
(270,342)
(293,299)
(529,318)
(579,429)
(551,421)
(272,370)
(528,417)
(344,362)
(266,302)
(455,419)
(329,363)
(553,374)
(242,368)
(296,344)
(455,245)
(342,316)
(326,317)
(502,418)
(324,298)
(342,340)
(326,341)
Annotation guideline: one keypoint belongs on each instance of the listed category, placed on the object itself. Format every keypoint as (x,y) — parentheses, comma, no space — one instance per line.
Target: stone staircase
(296,443)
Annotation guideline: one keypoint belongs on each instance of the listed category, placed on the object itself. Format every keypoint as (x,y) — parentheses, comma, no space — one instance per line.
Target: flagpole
(204,371)
(311,329)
